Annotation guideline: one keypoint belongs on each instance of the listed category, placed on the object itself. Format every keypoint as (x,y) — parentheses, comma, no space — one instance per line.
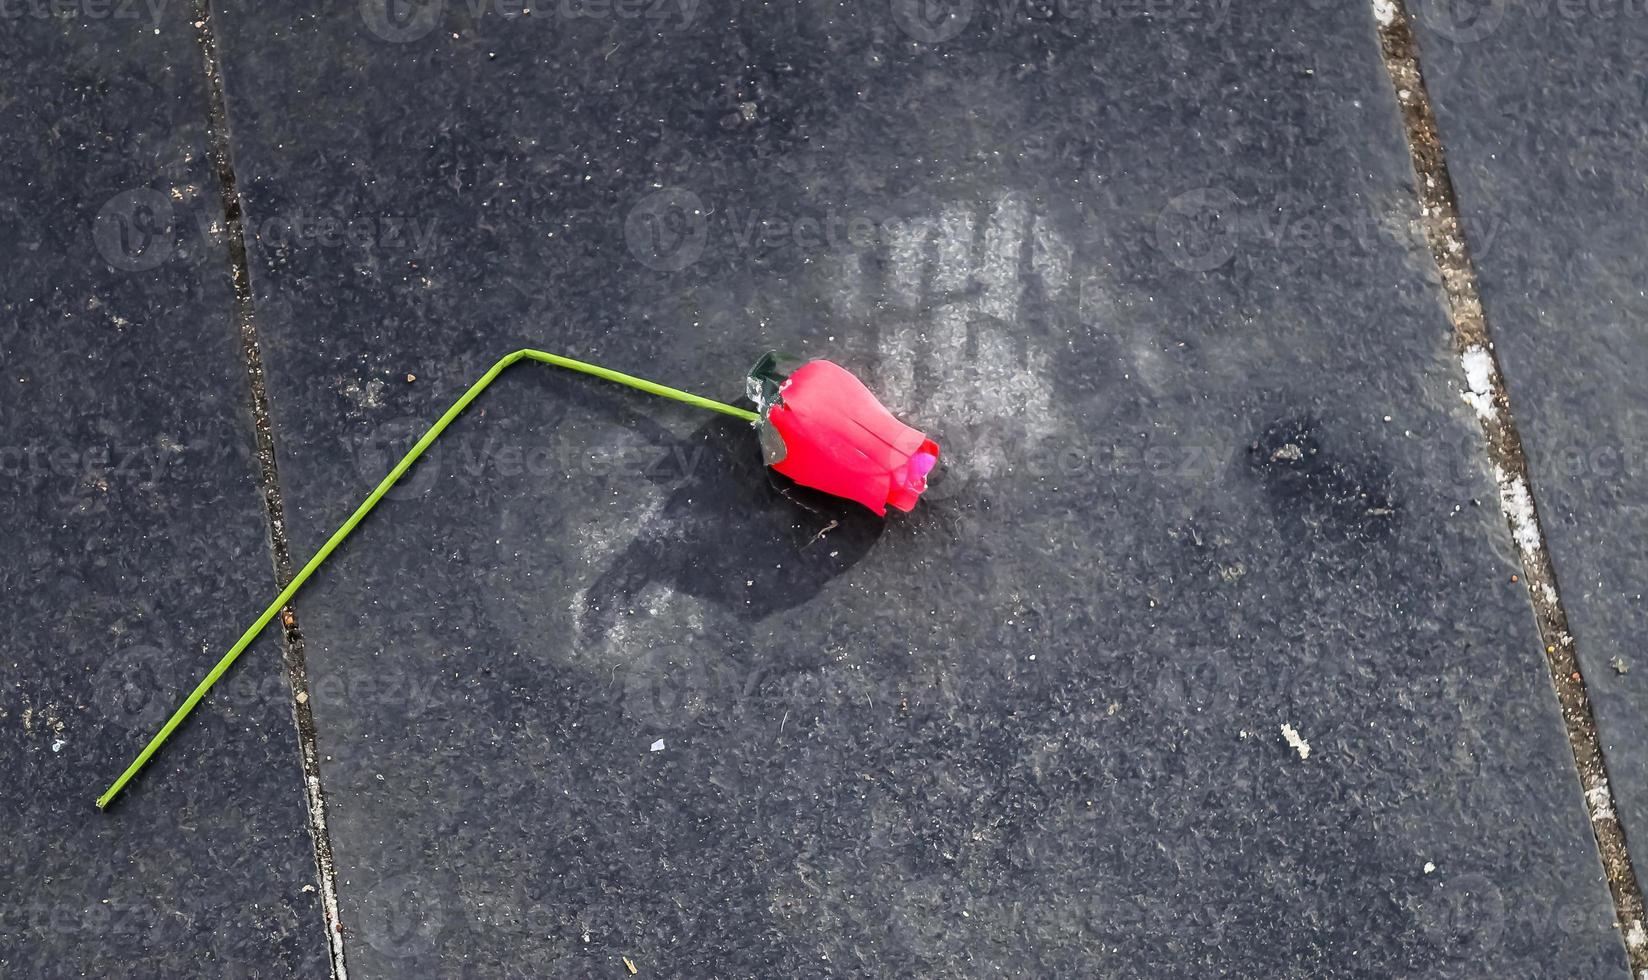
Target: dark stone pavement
(135,535)
(1552,211)
(1205,657)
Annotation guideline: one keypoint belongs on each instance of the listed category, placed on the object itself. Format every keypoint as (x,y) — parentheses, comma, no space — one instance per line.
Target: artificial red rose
(823,429)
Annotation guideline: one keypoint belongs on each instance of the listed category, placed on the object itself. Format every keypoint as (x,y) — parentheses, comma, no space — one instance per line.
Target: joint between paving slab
(220,152)
(1485,392)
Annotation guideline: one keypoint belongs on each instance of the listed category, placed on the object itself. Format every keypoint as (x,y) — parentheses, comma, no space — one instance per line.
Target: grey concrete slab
(135,535)
(1541,106)
(1151,278)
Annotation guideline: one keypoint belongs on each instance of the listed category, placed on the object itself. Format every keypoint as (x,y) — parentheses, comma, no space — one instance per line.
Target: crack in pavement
(220,152)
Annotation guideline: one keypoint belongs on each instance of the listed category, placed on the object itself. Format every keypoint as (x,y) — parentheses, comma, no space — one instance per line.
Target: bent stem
(370,502)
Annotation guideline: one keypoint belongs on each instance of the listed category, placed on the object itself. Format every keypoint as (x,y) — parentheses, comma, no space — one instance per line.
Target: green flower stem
(370,502)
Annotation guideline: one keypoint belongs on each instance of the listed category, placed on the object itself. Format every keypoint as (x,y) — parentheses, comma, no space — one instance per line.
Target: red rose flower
(823,429)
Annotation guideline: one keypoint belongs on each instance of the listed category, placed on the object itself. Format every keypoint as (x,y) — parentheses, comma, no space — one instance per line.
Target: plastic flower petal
(821,427)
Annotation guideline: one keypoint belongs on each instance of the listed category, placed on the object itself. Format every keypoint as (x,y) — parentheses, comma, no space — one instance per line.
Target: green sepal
(767,379)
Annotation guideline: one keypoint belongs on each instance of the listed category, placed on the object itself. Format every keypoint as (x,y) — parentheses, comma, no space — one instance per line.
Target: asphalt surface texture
(1275,609)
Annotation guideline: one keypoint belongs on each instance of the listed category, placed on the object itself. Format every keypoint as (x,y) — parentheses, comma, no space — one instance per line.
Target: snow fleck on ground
(1519,510)
(1294,741)
(1601,802)
(1479,379)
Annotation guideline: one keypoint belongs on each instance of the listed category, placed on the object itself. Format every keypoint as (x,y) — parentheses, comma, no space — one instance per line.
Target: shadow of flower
(733,534)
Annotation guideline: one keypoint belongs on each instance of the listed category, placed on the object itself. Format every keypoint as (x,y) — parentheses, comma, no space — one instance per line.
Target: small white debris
(1601,804)
(1479,379)
(57,745)
(1385,12)
(1299,745)
(1518,504)
(658,746)
(1429,867)
(1636,937)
